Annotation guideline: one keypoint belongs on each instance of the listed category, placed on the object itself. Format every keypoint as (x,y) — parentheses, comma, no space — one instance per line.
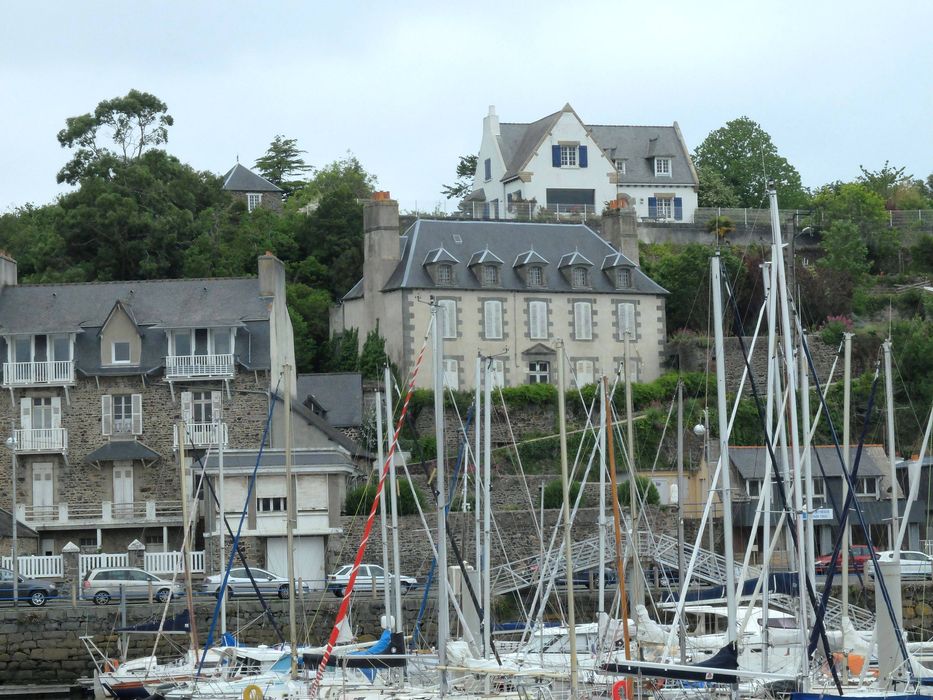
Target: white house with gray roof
(105,381)
(507,290)
(560,163)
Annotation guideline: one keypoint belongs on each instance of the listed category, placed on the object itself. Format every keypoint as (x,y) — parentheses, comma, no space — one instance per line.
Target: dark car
(858,555)
(34,590)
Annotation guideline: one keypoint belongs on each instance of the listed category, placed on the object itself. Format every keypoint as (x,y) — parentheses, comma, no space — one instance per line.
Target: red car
(858,555)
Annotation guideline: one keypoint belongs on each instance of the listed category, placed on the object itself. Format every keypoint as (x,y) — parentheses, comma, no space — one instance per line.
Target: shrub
(647,492)
(360,500)
(554,493)
(834,328)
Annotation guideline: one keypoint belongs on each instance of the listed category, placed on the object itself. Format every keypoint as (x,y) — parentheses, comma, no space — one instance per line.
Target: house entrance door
(42,490)
(122,489)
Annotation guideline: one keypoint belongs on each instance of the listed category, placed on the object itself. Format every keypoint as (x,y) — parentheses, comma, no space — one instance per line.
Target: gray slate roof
(153,304)
(122,450)
(241,179)
(517,142)
(509,241)
(750,461)
(6,526)
(338,393)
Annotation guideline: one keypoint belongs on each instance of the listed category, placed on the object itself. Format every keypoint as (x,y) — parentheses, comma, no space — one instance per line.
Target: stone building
(105,382)
(508,290)
(253,189)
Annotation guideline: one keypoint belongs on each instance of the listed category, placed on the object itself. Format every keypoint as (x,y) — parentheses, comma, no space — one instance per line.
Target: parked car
(368,576)
(238,583)
(31,589)
(858,555)
(915,565)
(104,585)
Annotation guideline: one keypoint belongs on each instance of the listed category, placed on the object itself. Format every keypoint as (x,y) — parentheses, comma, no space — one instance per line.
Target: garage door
(309,558)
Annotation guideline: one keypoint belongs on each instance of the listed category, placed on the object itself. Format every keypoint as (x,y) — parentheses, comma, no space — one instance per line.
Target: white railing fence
(36,566)
(203,434)
(26,373)
(187,366)
(171,562)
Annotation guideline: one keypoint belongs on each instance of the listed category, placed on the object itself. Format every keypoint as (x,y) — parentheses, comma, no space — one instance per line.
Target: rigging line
(236,542)
(850,478)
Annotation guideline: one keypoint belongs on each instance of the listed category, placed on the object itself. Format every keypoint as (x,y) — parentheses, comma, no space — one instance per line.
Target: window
(220,340)
(487,169)
(584,370)
(121,352)
(271,504)
(61,347)
(582,320)
(253,200)
(537,320)
(445,274)
(620,166)
(121,414)
(625,311)
(866,486)
(753,488)
(662,167)
(819,488)
(202,407)
(41,413)
(623,278)
(155,539)
(568,156)
(539,372)
(496,373)
(447,318)
(580,277)
(665,207)
(22,349)
(182,343)
(492,319)
(451,374)
(535,276)
(490,275)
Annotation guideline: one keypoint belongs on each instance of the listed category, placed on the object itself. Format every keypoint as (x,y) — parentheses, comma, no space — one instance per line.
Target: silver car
(238,583)
(369,576)
(104,585)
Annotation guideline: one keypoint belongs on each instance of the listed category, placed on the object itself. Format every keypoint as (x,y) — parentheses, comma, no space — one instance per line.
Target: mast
(487,511)
(807,458)
(602,503)
(477,493)
(443,622)
(638,596)
(681,564)
(393,510)
(773,397)
(387,602)
(222,525)
(186,547)
(568,551)
(290,510)
(846,459)
(892,451)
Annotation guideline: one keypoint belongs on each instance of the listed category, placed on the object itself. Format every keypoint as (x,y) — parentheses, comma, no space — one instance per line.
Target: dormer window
(662,167)
(120,352)
(620,166)
(535,276)
(445,274)
(623,278)
(580,277)
(490,276)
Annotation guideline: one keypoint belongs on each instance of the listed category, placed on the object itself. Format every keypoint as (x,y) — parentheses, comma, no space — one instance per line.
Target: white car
(238,583)
(914,565)
(369,576)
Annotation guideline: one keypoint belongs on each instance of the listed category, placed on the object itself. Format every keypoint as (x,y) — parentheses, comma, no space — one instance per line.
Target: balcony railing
(199,366)
(103,513)
(41,440)
(59,372)
(203,434)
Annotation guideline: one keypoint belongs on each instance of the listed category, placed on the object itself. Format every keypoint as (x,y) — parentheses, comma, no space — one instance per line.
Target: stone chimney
(380,241)
(491,122)
(620,230)
(271,276)
(8,274)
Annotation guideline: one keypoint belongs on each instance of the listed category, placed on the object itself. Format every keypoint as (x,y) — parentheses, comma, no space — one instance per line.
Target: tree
(373,355)
(647,492)
(282,164)
(345,174)
(857,204)
(714,192)
(844,249)
(554,493)
(134,122)
(466,169)
(743,156)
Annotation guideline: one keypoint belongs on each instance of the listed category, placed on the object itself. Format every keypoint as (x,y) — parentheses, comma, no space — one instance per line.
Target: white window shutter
(217,405)
(106,414)
(451,375)
(537,320)
(186,406)
(498,373)
(137,404)
(56,412)
(492,319)
(582,321)
(25,413)
(626,313)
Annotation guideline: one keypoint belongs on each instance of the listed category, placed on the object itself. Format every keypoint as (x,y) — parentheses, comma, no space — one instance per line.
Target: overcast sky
(405,85)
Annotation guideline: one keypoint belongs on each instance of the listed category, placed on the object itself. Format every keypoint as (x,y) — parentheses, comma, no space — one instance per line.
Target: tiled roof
(338,393)
(241,179)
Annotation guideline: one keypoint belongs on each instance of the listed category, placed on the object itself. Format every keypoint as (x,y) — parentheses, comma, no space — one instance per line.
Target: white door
(122,489)
(42,490)
(309,558)
(47,546)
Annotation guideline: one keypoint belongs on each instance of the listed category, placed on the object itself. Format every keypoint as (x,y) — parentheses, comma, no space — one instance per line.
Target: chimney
(491,122)
(271,276)
(8,274)
(620,231)
(380,241)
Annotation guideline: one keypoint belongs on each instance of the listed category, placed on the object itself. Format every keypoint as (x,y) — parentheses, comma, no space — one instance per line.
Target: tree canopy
(282,164)
(744,157)
(462,186)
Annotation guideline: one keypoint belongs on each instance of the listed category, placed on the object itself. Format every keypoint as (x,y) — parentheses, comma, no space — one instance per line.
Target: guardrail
(31,373)
(191,366)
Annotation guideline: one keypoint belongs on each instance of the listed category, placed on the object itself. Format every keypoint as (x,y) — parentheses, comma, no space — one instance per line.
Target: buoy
(252,692)
(111,665)
(617,688)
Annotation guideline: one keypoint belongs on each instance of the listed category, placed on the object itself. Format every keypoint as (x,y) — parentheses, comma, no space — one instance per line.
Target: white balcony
(57,373)
(98,514)
(203,434)
(41,440)
(183,367)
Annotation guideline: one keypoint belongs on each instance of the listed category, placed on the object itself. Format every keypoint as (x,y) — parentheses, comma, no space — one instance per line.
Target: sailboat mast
(892,452)
(477,474)
(383,516)
(290,510)
(222,524)
(487,511)
(681,564)
(393,512)
(443,622)
(638,596)
(772,398)
(186,546)
(846,458)
(602,500)
(565,482)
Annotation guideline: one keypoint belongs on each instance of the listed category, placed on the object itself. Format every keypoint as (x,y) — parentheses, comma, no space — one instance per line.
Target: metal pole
(443,622)
(393,509)
(477,477)
(892,452)
(602,502)
(290,521)
(15,546)
(387,602)
(846,422)
(221,525)
(186,546)
(568,550)
(487,511)
(773,397)
(681,565)
(638,595)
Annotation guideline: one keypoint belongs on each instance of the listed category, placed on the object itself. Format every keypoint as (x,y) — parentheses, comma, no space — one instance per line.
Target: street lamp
(11,445)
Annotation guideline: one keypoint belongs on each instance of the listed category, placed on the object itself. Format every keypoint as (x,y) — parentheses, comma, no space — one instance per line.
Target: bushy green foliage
(554,493)
(645,490)
(359,501)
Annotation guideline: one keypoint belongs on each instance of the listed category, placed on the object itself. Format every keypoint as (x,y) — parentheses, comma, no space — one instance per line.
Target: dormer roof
(485,257)
(439,255)
(573,259)
(529,257)
(616,260)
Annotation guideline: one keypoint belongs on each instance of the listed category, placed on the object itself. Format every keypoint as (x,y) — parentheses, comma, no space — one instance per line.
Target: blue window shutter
(555,156)
(582,156)
(678,208)
(652,206)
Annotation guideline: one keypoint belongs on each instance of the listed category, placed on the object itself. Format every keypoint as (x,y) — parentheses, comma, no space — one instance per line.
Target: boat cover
(726,658)
(179,624)
(782,582)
